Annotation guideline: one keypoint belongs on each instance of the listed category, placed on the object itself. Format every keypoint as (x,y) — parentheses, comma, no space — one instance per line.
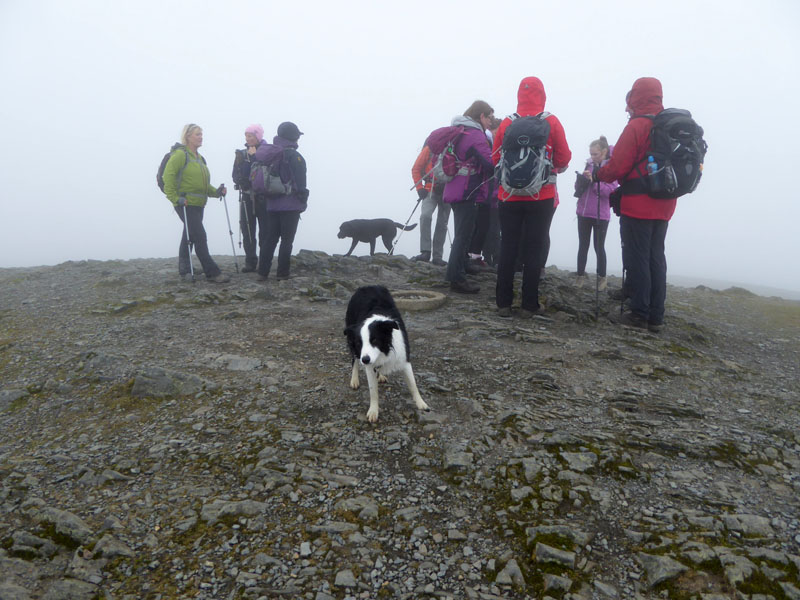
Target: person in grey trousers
(430,195)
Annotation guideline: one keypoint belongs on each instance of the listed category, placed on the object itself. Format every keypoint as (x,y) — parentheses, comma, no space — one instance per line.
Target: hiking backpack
(165,160)
(678,149)
(525,163)
(441,143)
(266,179)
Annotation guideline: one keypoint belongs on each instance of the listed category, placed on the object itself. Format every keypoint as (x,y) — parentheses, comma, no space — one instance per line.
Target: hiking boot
(655,327)
(422,257)
(471,269)
(524,313)
(464,287)
(631,319)
(580,280)
(262,277)
(618,294)
(439,262)
(282,277)
(248,269)
(504,312)
(602,283)
(221,278)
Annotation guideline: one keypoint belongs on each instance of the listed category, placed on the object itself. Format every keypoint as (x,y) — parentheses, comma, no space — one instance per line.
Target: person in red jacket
(527,218)
(643,220)
(430,195)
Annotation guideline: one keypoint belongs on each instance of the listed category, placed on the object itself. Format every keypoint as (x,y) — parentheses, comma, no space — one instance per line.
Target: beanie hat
(257,130)
(289,131)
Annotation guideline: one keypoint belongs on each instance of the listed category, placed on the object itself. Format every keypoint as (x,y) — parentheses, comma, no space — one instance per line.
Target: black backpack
(677,149)
(525,164)
(165,160)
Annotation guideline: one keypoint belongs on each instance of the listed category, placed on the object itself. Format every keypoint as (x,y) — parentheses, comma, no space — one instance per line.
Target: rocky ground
(163,439)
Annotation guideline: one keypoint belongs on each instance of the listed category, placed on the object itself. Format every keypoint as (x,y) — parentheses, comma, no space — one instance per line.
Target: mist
(95,93)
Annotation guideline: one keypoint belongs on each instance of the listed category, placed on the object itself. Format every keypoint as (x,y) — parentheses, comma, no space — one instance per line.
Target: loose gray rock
(659,568)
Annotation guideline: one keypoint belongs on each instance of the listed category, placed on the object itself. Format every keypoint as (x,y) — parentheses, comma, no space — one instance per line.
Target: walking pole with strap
(243,207)
(230,231)
(188,239)
(397,239)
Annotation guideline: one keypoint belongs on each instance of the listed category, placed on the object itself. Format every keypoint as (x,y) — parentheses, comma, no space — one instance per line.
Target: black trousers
(482,219)
(530,220)
(273,227)
(463,226)
(197,235)
(646,264)
(585,227)
(247,225)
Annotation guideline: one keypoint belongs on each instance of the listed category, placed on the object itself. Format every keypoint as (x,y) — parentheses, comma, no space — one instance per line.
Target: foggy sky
(95,92)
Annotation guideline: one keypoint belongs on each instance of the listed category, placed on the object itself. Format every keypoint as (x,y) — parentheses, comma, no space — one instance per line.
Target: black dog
(368,230)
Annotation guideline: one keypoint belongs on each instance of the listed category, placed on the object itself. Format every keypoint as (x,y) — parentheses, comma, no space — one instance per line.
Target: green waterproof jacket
(189,179)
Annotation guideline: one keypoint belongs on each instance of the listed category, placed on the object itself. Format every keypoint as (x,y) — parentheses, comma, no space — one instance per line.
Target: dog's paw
(372,415)
(382,378)
(421,405)
(355,384)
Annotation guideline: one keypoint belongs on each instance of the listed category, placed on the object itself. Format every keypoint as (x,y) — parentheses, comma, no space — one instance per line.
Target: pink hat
(257,130)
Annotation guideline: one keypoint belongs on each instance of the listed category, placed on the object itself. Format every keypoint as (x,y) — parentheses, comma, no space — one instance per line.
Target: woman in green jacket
(187,184)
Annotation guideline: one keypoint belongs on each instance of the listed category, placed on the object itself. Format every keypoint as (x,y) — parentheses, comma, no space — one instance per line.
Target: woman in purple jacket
(469,186)
(279,215)
(589,218)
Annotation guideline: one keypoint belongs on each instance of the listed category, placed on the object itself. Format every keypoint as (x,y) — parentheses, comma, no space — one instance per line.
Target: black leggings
(585,226)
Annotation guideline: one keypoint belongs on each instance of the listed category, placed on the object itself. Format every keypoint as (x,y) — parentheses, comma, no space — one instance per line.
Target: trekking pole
(397,239)
(424,177)
(243,206)
(597,275)
(230,231)
(188,240)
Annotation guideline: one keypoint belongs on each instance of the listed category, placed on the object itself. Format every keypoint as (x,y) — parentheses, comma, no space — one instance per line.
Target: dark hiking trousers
(646,264)
(463,226)
(247,225)
(531,220)
(280,225)
(197,235)
(585,227)
(481,228)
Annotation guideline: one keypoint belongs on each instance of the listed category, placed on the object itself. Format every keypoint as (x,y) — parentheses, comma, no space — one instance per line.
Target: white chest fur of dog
(378,342)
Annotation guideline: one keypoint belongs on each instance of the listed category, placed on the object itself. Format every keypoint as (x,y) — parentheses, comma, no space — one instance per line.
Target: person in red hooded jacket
(643,220)
(527,218)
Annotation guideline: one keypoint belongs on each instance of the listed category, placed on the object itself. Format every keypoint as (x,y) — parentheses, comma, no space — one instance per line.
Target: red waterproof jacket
(630,153)
(530,102)
(422,168)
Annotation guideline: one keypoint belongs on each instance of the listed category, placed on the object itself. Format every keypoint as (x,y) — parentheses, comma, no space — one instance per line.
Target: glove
(595,169)
(422,193)
(181,201)
(221,190)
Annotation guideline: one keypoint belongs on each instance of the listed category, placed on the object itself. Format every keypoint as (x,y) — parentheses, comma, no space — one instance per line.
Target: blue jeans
(646,265)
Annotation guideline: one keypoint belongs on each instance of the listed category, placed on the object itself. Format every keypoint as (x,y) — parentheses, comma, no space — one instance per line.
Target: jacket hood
(645,97)
(465,122)
(530,97)
(284,143)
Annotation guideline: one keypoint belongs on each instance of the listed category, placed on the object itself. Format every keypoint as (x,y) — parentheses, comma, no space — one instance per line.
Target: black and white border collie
(377,338)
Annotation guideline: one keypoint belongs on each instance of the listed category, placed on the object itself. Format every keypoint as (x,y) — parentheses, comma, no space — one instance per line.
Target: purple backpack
(441,143)
(265,177)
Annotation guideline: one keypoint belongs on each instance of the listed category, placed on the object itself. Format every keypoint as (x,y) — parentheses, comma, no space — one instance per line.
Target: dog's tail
(403,227)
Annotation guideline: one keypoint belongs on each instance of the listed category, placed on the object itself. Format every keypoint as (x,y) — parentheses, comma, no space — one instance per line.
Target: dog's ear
(389,325)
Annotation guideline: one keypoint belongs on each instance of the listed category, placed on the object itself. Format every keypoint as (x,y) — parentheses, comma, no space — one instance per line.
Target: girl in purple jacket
(594,213)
